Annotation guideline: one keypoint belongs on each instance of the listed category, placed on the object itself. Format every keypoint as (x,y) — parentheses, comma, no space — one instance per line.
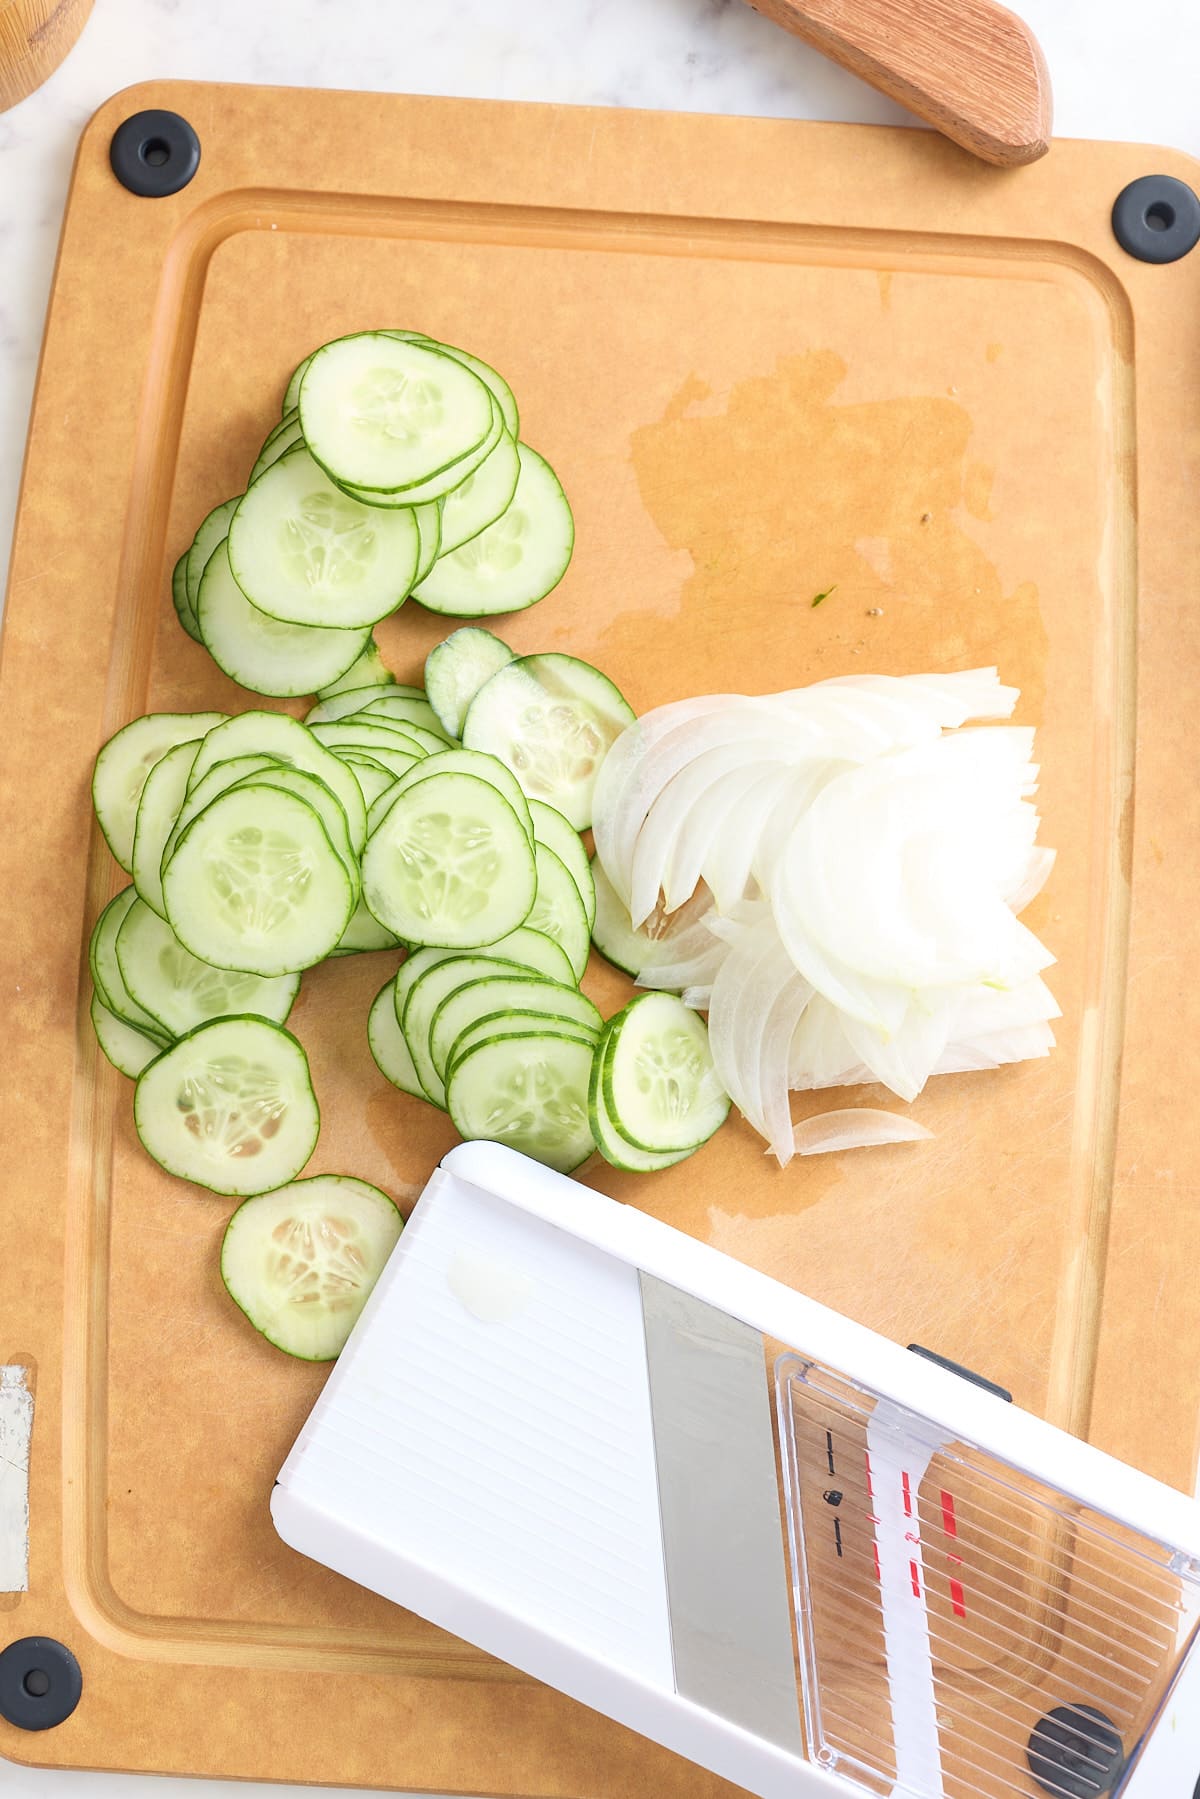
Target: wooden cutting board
(769,361)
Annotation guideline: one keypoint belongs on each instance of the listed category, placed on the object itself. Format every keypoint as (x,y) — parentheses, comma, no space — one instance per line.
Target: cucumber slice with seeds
(552,829)
(128,1050)
(615,1148)
(158,808)
(514,993)
(514,562)
(457,668)
(213,530)
(304,552)
(179,599)
(376,734)
(501,392)
(123,767)
(553,719)
(324,802)
(274,734)
(382,414)
(388,1045)
(220,777)
(558,910)
(230,1107)
(660,1087)
(450,865)
(180,992)
(302,1262)
(255,884)
(479,501)
(530,1092)
(261,652)
(435,489)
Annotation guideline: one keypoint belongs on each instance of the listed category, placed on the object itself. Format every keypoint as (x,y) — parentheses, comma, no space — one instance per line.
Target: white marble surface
(1116,73)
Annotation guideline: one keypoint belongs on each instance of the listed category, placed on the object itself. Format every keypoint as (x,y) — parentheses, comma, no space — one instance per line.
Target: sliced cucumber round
(615,1148)
(220,777)
(501,990)
(128,1050)
(301,1262)
(530,1092)
(662,940)
(514,562)
(158,808)
(291,394)
(275,734)
(660,1087)
(434,490)
(180,992)
(537,952)
(367,672)
(428,518)
(388,1044)
(230,1107)
(324,802)
(479,501)
(450,865)
(501,392)
(263,653)
(470,762)
(516,1024)
(552,829)
(105,969)
(557,910)
(286,435)
(381,413)
(426,995)
(553,720)
(123,768)
(213,530)
(372,777)
(255,884)
(457,668)
(373,737)
(305,552)
(364,934)
(404,711)
(346,700)
(184,610)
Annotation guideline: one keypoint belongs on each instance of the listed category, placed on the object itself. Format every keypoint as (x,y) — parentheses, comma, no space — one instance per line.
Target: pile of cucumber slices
(396,470)
(444,820)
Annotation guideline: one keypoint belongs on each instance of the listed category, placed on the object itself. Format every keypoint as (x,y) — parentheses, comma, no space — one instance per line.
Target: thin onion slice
(855,1127)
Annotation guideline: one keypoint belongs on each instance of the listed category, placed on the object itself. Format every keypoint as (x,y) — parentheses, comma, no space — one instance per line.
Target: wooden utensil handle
(969,67)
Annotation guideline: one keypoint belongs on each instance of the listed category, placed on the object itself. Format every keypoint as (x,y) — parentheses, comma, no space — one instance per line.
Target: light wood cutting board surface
(768,361)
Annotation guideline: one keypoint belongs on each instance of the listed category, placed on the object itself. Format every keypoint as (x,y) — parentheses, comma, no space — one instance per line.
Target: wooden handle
(35,35)
(969,67)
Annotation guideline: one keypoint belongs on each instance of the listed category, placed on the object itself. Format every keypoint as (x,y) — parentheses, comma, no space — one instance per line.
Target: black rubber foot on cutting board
(40,1683)
(1157,218)
(1075,1750)
(154,154)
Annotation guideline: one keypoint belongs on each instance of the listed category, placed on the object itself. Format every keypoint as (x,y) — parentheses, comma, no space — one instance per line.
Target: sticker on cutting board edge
(41,1683)
(16,1434)
(154,154)
(1157,218)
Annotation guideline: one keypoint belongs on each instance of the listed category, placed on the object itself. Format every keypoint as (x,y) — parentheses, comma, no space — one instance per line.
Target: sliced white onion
(855,1127)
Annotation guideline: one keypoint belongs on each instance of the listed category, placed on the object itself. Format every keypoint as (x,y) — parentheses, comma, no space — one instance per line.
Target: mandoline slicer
(733,1520)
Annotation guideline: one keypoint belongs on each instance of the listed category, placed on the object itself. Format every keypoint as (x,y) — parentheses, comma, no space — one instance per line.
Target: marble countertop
(1116,75)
